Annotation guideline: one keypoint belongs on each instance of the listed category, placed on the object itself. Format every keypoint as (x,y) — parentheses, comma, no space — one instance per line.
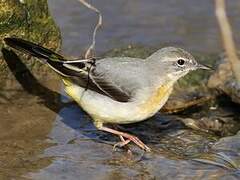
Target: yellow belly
(106,110)
(157,100)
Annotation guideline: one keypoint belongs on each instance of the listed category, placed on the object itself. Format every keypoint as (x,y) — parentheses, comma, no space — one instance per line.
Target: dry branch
(89,51)
(227,37)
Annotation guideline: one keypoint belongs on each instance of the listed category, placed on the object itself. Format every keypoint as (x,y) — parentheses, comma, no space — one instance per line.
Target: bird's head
(174,62)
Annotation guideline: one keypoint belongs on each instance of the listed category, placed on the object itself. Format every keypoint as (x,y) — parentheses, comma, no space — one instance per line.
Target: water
(188,24)
(44,138)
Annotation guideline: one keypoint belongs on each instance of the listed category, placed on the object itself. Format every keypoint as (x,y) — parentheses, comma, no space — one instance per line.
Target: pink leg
(122,143)
(129,138)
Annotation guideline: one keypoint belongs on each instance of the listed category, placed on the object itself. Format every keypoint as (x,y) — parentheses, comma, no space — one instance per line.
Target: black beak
(200,66)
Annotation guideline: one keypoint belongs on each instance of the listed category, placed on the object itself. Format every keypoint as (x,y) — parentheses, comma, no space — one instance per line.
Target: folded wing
(82,72)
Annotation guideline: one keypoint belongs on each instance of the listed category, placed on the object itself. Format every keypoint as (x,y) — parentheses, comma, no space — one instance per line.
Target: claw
(120,144)
(128,137)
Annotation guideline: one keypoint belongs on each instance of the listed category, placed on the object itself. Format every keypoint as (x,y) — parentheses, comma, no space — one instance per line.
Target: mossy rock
(30,20)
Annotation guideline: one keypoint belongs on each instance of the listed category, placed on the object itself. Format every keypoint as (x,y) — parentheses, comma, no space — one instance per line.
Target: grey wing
(117,78)
(106,76)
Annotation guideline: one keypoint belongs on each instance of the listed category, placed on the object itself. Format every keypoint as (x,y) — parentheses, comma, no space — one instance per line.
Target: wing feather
(86,76)
(82,72)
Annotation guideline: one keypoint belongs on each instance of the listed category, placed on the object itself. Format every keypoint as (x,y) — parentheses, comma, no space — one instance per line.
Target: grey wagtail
(118,90)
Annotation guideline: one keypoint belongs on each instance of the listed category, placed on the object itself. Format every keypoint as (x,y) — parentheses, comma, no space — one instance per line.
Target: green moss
(31,21)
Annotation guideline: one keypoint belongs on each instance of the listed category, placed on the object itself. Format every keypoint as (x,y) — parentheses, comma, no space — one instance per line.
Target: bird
(117,90)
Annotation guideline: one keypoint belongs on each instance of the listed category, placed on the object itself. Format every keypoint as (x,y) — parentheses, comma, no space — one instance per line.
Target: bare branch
(227,37)
(98,25)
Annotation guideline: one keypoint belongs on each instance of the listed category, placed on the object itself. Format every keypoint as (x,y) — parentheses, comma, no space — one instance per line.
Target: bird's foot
(122,143)
(128,138)
(137,141)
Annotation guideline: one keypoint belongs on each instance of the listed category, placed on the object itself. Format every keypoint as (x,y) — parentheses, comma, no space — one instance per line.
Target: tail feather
(57,62)
(32,48)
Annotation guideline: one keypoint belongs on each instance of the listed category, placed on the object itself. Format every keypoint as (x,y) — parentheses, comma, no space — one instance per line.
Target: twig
(227,37)
(92,46)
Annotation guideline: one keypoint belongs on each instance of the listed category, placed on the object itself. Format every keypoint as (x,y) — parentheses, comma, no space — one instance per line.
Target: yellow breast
(156,100)
(110,111)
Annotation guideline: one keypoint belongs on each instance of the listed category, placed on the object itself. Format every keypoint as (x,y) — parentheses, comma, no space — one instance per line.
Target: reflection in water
(25,120)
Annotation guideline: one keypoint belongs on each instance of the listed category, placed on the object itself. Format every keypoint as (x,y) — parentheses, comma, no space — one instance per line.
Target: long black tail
(32,48)
(57,62)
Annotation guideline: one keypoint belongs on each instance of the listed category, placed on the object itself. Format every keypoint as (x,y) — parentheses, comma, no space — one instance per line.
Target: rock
(29,20)
(230,143)
(224,82)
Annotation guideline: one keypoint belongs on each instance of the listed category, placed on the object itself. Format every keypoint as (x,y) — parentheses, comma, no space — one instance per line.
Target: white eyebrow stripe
(174,59)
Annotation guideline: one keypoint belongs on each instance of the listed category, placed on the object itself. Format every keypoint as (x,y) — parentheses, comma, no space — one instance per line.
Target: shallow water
(42,142)
(55,140)
(186,23)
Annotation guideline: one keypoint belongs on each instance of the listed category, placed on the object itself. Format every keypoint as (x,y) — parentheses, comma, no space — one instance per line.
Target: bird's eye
(180,62)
